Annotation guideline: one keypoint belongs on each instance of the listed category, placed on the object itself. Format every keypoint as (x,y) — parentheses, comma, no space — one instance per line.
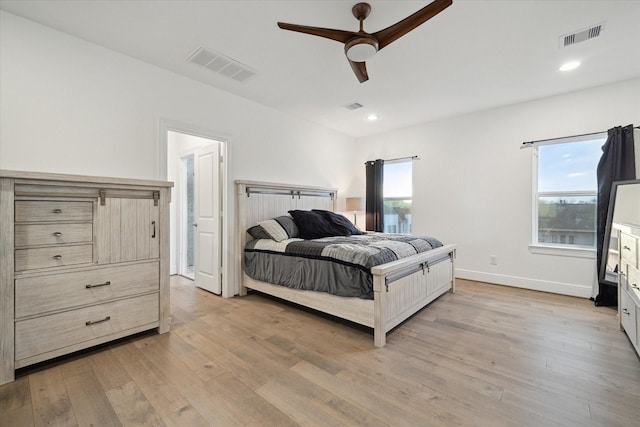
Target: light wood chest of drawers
(629,282)
(83,261)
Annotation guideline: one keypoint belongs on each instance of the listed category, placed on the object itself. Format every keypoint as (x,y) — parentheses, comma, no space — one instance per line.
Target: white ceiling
(475,55)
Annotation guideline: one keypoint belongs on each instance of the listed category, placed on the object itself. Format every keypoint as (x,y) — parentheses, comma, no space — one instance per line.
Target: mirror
(624,208)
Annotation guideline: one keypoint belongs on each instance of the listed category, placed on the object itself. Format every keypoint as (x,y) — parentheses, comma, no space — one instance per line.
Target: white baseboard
(526,283)
(173,270)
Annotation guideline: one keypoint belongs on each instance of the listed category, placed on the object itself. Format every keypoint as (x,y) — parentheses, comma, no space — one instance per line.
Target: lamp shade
(355,204)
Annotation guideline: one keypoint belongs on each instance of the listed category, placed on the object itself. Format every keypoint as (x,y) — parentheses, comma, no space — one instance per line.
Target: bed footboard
(403,287)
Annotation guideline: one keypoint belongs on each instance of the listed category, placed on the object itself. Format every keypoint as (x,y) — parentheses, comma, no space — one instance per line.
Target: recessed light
(571,65)
(372,117)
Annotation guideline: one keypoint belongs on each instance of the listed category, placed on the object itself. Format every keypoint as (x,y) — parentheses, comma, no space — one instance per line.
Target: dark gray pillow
(312,225)
(340,222)
(257,232)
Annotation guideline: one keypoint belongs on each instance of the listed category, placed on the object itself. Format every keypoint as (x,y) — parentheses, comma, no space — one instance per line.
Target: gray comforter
(337,265)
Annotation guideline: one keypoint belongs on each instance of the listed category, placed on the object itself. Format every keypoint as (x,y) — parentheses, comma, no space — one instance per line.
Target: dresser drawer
(629,249)
(628,316)
(42,294)
(52,210)
(69,328)
(51,234)
(54,256)
(633,281)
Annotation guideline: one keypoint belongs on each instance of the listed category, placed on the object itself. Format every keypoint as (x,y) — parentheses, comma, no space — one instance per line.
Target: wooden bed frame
(401,288)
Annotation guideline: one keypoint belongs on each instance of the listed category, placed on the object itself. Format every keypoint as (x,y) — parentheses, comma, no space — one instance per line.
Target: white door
(207,218)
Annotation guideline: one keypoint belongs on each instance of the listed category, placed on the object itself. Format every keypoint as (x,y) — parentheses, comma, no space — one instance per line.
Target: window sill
(563,251)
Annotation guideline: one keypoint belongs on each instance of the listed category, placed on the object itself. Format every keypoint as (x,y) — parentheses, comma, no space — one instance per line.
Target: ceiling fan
(360,46)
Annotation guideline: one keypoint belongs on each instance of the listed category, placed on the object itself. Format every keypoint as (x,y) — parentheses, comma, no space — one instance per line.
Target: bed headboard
(258,201)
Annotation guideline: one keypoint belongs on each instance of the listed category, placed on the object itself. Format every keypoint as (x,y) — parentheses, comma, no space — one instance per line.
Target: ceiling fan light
(361,52)
(361,49)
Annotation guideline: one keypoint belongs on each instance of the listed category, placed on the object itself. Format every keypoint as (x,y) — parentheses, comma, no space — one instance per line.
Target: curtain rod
(530,143)
(399,158)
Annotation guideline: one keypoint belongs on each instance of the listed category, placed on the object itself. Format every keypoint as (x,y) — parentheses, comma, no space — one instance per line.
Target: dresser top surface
(61,178)
(633,229)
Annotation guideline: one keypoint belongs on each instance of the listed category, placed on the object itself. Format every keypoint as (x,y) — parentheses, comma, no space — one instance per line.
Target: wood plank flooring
(485,356)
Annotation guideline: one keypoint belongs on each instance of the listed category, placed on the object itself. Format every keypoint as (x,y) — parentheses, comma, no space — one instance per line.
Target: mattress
(337,265)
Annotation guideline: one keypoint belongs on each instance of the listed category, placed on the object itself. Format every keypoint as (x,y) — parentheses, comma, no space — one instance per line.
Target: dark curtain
(616,164)
(374,196)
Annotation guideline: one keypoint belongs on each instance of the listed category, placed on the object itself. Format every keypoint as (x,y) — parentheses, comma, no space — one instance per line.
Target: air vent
(221,64)
(353,106)
(581,35)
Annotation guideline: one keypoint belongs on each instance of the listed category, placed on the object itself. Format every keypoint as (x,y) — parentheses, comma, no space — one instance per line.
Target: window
(566,191)
(397,190)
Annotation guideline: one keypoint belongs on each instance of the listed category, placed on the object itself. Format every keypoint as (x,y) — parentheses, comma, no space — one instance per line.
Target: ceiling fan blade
(360,69)
(337,35)
(399,29)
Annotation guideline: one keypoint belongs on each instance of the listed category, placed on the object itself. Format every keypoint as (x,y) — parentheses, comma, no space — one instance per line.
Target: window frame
(561,249)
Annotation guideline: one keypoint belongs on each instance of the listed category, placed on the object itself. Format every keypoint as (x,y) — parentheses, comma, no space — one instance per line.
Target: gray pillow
(278,229)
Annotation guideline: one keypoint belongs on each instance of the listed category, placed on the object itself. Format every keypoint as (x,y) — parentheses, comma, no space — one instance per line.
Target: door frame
(166,125)
(181,241)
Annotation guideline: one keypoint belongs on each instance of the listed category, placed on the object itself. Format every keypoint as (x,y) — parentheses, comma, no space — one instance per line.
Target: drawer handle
(93,322)
(153,235)
(56,211)
(635,286)
(57,257)
(57,234)
(625,311)
(626,247)
(107,283)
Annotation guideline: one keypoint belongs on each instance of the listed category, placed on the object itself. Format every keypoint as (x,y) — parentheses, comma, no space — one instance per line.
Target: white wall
(473,184)
(69,106)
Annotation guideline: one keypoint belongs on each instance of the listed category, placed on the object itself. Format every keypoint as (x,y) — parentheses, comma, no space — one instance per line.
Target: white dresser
(83,261)
(629,282)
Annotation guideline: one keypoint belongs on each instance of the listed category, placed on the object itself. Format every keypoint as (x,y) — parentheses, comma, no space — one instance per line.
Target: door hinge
(156,197)
(102,195)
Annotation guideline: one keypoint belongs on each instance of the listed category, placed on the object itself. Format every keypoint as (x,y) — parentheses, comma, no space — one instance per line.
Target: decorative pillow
(289,225)
(340,222)
(274,229)
(257,232)
(278,229)
(312,225)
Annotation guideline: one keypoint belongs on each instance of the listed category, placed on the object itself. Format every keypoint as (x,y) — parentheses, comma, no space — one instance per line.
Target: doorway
(194,165)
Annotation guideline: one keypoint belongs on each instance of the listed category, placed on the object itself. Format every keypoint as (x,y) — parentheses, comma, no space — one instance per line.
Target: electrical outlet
(493,260)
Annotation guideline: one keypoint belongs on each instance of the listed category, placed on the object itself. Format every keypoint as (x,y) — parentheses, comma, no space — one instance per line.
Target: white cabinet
(83,261)
(629,282)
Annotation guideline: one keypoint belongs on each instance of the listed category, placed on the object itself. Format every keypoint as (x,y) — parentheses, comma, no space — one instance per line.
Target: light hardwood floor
(485,356)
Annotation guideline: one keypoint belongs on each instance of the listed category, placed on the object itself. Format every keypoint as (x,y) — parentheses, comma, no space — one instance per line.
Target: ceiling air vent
(581,35)
(353,106)
(221,64)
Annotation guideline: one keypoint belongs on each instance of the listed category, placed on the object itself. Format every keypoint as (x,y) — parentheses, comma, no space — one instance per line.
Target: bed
(400,288)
